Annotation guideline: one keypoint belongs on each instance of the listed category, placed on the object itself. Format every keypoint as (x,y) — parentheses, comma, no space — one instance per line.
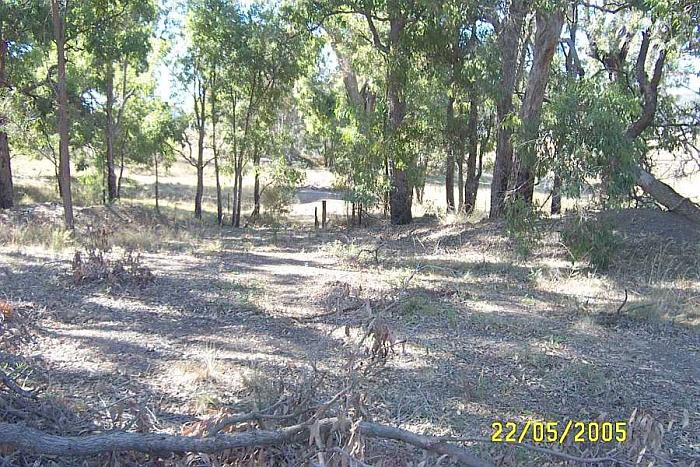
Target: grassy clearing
(237,318)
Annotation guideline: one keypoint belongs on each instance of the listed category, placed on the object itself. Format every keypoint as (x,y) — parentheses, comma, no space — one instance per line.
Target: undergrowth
(591,240)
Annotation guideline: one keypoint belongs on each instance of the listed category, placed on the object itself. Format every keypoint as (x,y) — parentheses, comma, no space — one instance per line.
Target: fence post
(323,214)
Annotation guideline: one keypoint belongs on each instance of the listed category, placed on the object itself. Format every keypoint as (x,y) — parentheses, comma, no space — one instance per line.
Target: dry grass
(237,318)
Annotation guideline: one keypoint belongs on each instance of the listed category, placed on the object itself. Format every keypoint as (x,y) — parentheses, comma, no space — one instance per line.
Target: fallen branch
(35,441)
(32,440)
(14,387)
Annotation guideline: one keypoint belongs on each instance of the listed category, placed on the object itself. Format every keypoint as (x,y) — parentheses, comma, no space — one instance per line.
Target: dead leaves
(6,310)
(99,266)
(382,338)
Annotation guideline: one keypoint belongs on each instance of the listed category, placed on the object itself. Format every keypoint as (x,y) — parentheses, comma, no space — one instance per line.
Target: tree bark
(401,194)
(200,114)
(215,150)
(155,164)
(58,20)
(450,161)
(546,40)
(112,192)
(508,41)
(471,186)
(556,195)
(6,188)
(6,185)
(661,192)
(32,440)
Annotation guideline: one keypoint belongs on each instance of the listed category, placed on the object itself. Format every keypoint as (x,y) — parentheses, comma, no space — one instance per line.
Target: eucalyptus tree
(23,40)
(392,28)
(549,21)
(117,36)
(59,12)
(361,164)
(155,137)
(603,118)
(210,35)
(263,56)
(199,68)
(458,43)
(509,27)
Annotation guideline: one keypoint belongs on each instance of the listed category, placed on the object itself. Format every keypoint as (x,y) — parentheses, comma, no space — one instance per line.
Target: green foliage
(523,225)
(89,188)
(591,240)
(583,136)
(280,190)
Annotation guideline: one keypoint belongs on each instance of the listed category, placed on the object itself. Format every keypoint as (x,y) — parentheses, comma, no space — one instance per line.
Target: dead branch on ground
(35,441)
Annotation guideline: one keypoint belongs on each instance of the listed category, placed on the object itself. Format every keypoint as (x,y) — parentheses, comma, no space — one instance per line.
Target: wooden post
(316,217)
(323,214)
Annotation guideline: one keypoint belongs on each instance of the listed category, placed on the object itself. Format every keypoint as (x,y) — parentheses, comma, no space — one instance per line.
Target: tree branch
(375,34)
(32,440)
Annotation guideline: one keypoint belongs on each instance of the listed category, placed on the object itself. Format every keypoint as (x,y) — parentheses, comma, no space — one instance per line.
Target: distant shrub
(591,240)
(89,189)
(53,237)
(280,192)
(278,199)
(522,225)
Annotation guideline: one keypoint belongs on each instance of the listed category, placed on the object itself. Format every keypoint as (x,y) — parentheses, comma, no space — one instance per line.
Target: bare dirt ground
(480,334)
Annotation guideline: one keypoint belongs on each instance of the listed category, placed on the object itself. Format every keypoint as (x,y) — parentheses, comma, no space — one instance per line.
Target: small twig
(322,408)
(351,460)
(619,309)
(551,452)
(247,417)
(13,386)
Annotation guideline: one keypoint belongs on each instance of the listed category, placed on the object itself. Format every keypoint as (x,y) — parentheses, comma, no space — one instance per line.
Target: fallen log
(35,441)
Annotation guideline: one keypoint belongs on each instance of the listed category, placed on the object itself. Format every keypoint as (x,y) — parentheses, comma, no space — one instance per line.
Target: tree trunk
(460,176)
(666,195)
(6,189)
(239,196)
(401,194)
(235,159)
(34,441)
(450,162)
(58,20)
(112,192)
(215,150)
(256,185)
(199,193)
(200,110)
(508,44)
(234,204)
(546,40)
(6,186)
(556,195)
(118,130)
(471,186)
(155,164)
(661,192)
